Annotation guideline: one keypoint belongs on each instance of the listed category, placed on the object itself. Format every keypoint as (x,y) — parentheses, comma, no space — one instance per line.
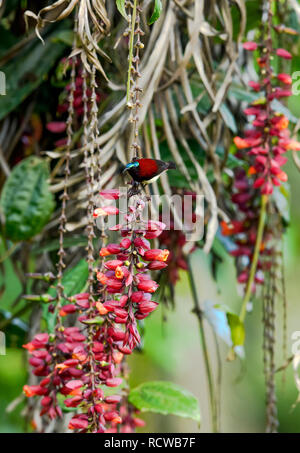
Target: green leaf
(64,36)
(10,6)
(279,107)
(216,316)
(237,329)
(60,399)
(74,281)
(218,320)
(228,118)
(281,196)
(98,320)
(156,13)
(26,200)
(15,332)
(175,176)
(7,39)
(50,246)
(253,10)
(165,398)
(121,8)
(241,94)
(28,69)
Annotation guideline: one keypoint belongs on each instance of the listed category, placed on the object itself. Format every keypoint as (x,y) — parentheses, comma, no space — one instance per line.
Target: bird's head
(131,165)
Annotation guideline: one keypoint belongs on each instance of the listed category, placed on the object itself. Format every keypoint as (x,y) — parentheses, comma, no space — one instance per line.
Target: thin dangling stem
(94,125)
(269,348)
(130,56)
(90,178)
(133,88)
(259,238)
(89,174)
(209,374)
(268,49)
(65,197)
(284,299)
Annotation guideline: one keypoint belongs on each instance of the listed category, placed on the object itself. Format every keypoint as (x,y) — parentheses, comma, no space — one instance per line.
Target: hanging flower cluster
(263,147)
(47,353)
(59,126)
(128,272)
(175,240)
(269,138)
(246,199)
(82,362)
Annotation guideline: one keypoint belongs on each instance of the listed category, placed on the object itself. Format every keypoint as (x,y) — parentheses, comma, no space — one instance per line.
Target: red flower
(285,78)
(259,182)
(113,399)
(78,423)
(143,243)
(229,229)
(284,54)
(150,286)
(33,390)
(138,422)
(39,341)
(113,264)
(267,188)
(114,284)
(101,278)
(113,382)
(147,306)
(56,127)
(73,402)
(292,144)
(106,210)
(67,309)
(250,45)
(110,194)
(156,255)
(156,265)
(282,176)
(125,243)
(240,143)
(254,85)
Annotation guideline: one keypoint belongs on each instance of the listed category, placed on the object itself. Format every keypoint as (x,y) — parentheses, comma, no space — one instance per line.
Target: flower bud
(156,255)
(156,265)
(113,382)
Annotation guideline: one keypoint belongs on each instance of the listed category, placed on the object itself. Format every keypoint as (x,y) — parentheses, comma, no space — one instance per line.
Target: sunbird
(145,171)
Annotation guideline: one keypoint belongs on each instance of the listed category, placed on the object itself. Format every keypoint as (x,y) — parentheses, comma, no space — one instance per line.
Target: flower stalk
(257,249)
(208,368)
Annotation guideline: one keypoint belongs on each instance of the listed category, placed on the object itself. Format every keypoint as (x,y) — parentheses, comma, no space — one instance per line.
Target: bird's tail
(171,165)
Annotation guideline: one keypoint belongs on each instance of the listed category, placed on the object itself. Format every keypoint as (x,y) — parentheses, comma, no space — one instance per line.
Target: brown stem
(209,374)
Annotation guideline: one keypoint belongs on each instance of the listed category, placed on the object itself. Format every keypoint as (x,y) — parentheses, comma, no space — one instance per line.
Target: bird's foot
(134,189)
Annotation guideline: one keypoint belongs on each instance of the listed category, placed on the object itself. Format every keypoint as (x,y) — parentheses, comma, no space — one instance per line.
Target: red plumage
(148,168)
